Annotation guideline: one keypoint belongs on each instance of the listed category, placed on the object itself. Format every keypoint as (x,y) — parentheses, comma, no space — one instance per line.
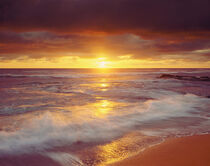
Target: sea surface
(93,117)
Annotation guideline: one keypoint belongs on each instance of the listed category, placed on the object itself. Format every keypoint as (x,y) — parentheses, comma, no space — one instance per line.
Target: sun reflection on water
(103,107)
(124,147)
(104,85)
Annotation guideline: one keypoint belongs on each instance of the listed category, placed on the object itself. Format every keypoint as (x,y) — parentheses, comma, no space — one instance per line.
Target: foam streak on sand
(65,159)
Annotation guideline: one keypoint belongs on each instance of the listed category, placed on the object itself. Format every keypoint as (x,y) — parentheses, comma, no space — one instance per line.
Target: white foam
(43,132)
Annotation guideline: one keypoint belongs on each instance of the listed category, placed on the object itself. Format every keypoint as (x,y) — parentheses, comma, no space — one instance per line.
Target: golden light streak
(103,107)
(101,63)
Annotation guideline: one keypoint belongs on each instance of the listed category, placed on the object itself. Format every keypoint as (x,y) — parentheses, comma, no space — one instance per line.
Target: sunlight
(113,151)
(104,85)
(102,63)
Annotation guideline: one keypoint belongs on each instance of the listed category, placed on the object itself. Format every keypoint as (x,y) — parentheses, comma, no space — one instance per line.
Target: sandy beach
(186,151)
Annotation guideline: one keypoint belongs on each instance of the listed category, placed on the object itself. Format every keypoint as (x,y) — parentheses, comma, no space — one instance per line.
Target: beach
(184,151)
(104,83)
(72,117)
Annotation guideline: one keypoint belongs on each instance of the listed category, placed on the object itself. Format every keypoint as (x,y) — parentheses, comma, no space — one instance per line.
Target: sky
(105,34)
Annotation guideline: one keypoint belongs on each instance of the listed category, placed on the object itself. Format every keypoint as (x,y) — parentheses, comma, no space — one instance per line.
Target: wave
(43,132)
(87,74)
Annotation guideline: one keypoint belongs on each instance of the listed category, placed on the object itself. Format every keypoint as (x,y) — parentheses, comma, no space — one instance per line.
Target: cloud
(144,29)
(37,45)
(137,16)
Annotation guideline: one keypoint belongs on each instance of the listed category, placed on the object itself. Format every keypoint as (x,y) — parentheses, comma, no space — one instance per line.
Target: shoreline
(181,151)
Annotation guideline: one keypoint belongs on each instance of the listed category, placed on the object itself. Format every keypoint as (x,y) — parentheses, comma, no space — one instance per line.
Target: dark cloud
(146,29)
(180,46)
(48,45)
(34,43)
(125,16)
(41,44)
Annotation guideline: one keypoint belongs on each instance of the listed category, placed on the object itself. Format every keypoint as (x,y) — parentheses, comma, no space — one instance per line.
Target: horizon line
(117,68)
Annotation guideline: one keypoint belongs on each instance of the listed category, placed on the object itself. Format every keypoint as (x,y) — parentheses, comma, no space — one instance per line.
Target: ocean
(94,117)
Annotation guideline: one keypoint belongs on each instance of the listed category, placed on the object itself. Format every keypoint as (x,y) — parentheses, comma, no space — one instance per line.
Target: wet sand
(27,160)
(185,151)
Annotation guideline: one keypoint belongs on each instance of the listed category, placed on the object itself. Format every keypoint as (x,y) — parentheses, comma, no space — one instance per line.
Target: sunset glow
(127,39)
(102,63)
(100,82)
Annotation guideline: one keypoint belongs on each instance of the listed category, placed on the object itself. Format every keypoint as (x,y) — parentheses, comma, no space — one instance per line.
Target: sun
(102,63)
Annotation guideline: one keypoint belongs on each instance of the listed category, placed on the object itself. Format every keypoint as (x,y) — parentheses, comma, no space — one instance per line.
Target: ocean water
(93,117)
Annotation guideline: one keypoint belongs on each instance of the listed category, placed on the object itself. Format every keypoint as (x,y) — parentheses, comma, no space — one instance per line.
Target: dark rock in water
(189,78)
